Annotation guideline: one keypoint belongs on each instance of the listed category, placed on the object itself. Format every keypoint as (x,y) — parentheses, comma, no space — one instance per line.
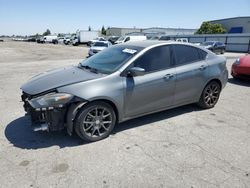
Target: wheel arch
(75,108)
(208,81)
(111,103)
(215,80)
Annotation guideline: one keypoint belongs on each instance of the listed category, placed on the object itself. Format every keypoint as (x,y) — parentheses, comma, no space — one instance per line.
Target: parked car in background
(30,39)
(91,42)
(241,67)
(214,46)
(113,39)
(123,82)
(61,40)
(182,40)
(50,39)
(131,39)
(98,46)
(40,40)
(67,40)
(165,38)
(154,38)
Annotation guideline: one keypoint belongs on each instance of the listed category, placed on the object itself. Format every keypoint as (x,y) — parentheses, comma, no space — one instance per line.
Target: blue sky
(35,16)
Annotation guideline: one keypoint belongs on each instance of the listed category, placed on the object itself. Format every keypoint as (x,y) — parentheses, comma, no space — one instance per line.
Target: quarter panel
(218,70)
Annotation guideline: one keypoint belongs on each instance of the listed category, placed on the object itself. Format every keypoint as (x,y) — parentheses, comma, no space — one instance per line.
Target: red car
(241,67)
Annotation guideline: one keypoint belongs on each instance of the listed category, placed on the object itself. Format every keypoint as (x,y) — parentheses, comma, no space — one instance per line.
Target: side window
(220,44)
(203,54)
(185,54)
(158,58)
(127,39)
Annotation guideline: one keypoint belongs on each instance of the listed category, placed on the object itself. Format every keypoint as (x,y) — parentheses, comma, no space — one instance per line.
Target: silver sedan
(123,82)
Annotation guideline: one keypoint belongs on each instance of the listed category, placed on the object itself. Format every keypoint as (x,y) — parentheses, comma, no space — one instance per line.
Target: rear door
(191,73)
(155,89)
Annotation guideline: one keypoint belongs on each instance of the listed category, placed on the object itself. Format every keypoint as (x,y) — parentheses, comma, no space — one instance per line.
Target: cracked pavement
(182,147)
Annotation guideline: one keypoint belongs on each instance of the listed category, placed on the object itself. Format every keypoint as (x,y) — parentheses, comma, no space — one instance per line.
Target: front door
(154,90)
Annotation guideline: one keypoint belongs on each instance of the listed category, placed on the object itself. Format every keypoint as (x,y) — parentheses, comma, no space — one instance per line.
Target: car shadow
(155,117)
(240,82)
(19,133)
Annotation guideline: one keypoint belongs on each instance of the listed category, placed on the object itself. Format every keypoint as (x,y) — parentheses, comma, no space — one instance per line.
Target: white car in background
(185,40)
(99,46)
(130,38)
(91,42)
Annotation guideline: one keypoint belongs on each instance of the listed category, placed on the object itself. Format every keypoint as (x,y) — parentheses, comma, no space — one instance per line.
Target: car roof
(103,41)
(148,43)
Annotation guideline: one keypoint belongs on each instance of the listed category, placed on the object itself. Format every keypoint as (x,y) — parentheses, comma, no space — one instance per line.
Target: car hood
(206,46)
(100,48)
(57,78)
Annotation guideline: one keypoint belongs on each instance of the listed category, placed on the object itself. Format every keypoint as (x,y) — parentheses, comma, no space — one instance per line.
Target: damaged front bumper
(44,118)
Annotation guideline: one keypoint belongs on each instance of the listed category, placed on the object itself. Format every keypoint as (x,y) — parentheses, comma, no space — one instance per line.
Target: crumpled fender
(71,115)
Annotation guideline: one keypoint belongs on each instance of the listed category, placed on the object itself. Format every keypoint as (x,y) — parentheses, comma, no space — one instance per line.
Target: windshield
(100,44)
(207,43)
(111,59)
(121,39)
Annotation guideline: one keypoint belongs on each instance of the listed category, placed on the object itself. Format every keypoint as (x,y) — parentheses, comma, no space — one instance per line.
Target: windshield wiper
(94,70)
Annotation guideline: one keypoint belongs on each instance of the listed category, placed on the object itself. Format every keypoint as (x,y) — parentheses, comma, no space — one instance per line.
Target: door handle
(203,67)
(168,76)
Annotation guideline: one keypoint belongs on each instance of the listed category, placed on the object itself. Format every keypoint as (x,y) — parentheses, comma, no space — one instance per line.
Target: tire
(222,51)
(95,121)
(210,95)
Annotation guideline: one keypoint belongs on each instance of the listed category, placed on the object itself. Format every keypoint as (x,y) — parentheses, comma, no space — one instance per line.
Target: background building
(235,25)
(154,31)
(117,31)
(159,31)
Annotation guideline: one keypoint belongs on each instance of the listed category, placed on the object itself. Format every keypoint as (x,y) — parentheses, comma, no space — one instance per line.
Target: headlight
(237,62)
(51,100)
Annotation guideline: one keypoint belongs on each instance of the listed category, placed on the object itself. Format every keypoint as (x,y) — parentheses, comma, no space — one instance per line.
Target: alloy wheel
(97,122)
(211,94)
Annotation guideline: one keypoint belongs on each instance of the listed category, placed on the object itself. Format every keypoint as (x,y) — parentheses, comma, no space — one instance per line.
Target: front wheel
(95,121)
(210,95)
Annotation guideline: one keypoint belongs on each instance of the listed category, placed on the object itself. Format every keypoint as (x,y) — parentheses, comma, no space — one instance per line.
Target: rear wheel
(95,121)
(210,95)
(222,51)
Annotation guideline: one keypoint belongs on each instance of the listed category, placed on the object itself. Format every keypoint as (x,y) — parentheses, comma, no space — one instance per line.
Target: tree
(209,28)
(104,31)
(90,28)
(47,32)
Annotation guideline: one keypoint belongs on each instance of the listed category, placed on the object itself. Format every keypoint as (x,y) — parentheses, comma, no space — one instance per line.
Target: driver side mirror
(135,71)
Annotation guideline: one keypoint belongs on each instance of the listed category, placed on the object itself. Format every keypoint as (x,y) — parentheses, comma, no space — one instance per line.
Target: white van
(130,38)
